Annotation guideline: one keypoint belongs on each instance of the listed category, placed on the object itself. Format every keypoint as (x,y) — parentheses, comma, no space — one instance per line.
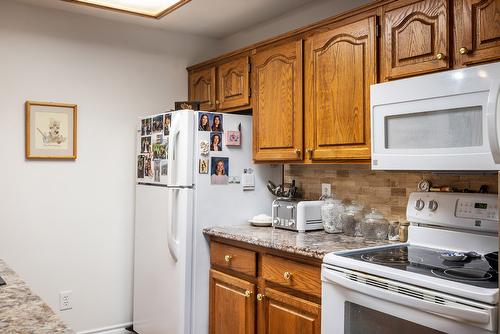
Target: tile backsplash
(386,191)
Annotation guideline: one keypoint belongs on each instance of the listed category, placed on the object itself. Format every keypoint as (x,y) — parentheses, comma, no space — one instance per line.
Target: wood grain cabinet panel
(286,314)
(233,78)
(291,274)
(202,88)
(233,258)
(477,31)
(277,103)
(415,38)
(232,305)
(340,67)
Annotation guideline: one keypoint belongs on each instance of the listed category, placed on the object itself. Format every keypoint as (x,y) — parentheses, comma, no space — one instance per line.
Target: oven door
(358,303)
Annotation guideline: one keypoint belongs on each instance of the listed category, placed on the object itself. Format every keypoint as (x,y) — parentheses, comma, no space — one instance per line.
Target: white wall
(68,225)
(297,18)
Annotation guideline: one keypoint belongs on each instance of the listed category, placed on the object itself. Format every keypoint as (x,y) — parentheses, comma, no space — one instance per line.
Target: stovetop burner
(427,261)
(463,274)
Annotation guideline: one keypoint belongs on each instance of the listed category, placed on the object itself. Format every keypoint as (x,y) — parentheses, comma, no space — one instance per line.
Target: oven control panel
(468,211)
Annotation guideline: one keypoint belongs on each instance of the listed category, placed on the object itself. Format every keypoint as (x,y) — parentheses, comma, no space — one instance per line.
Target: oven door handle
(463,313)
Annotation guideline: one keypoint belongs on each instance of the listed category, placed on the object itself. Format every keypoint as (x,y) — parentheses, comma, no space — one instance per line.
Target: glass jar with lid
(351,219)
(375,226)
(331,212)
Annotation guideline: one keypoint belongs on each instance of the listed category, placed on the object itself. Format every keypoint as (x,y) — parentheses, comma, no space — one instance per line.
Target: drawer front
(295,275)
(233,258)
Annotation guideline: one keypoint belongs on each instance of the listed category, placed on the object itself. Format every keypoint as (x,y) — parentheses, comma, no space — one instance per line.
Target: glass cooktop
(428,261)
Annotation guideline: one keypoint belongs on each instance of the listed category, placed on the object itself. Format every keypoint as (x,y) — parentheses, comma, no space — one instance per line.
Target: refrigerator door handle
(172,144)
(173,244)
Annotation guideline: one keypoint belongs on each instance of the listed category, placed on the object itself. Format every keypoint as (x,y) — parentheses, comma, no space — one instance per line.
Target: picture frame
(51,130)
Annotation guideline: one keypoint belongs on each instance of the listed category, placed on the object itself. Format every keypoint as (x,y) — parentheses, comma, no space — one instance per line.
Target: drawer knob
(260,297)
(463,51)
(440,56)
(227,258)
(287,275)
(298,151)
(248,293)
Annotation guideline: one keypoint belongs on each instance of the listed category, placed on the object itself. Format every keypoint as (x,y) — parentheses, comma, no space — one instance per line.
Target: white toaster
(296,215)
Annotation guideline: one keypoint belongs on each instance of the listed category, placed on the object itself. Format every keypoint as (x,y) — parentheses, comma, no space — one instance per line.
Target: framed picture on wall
(50,130)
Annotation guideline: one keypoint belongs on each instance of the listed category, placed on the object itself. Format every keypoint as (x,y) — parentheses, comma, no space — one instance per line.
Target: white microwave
(443,121)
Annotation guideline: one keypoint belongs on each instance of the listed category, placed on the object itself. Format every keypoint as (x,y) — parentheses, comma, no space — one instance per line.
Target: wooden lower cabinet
(271,303)
(286,314)
(232,305)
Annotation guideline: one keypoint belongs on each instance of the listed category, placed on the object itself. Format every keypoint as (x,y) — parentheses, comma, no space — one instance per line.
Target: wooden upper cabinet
(202,88)
(286,314)
(340,67)
(415,38)
(477,31)
(232,305)
(277,103)
(234,81)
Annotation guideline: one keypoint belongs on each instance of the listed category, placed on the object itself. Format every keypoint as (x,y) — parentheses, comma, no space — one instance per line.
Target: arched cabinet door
(277,103)
(415,39)
(202,87)
(477,31)
(340,66)
(234,81)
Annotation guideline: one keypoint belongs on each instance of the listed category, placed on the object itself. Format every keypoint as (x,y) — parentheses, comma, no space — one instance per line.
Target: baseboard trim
(115,329)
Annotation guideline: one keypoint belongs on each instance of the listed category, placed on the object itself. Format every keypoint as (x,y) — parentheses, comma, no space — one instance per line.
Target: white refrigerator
(194,170)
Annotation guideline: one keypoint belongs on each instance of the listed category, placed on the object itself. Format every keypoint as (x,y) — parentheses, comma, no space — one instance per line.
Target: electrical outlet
(65,300)
(326,189)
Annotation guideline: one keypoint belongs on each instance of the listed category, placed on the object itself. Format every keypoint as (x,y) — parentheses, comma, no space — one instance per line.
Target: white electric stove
(410,287)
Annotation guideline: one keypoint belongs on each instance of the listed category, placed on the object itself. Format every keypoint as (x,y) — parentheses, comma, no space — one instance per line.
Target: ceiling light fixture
(155,9)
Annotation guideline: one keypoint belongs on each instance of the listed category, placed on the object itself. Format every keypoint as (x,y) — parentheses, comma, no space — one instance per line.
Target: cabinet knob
(298,151)
(287,275)
(227,258)
(310,151)
(260,297)
(217,102)
(440,56)
(463,51)
(248,293)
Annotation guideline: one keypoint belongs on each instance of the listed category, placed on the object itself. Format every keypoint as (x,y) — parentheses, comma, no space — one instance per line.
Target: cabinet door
(340,67)
(232,305)
(233,80)
(202,88)
(415,38)
(277,103)
(286,314)
(477,31)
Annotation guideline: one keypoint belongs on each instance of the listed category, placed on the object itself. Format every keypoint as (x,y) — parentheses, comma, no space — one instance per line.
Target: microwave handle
(493,120)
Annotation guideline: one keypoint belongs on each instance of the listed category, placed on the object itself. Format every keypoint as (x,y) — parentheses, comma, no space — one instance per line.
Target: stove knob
(433,205)
(419,205)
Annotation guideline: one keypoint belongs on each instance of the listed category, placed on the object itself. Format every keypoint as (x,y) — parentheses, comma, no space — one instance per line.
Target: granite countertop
(315,244)
(21,311)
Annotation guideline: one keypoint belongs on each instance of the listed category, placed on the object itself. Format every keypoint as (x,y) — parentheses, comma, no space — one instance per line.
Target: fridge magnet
(233,138)
(148,170)
(159,151)
(203,122)
(203,166)
(189,105)
(166,124)
(204,147)
(140,167)
(157,170)
(159,138)
(164,167)
(146,127)
(158,123)
(219,170)
(146,145)
(215,141)
(50,130)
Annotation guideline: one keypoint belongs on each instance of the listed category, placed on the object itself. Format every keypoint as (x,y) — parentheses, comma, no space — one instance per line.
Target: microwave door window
(449,128)
(361,320)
